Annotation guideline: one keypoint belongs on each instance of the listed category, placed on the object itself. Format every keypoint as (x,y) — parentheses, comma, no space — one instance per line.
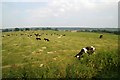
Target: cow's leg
(76,55)
(79,55)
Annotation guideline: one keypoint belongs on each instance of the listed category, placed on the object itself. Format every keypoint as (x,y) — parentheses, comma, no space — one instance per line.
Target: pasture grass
(25,57)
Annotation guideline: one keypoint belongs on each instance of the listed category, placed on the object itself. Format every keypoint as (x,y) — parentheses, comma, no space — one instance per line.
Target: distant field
(26,57)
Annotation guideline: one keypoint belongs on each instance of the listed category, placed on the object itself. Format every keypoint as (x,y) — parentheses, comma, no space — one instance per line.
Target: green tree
(27,29)
(56,29)
(16,29)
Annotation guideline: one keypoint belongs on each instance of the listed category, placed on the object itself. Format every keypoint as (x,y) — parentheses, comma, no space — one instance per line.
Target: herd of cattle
(36,35)
(89,49)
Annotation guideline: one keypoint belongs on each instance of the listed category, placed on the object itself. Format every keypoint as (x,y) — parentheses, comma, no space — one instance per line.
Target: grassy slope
(26,57)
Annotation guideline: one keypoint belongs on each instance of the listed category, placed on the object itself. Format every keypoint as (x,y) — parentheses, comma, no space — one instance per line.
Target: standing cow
(38,38)
(46,39)
(101,36)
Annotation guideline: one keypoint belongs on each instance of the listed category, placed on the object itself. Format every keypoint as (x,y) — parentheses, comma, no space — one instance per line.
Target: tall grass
(99,65)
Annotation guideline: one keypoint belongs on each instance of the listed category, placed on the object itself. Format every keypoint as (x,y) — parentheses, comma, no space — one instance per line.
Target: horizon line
(56,27)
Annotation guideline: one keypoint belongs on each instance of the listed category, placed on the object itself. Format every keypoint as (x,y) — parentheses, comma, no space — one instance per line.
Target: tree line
(56,29)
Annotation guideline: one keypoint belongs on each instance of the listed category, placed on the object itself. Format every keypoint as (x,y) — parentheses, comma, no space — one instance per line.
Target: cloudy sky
(83,13)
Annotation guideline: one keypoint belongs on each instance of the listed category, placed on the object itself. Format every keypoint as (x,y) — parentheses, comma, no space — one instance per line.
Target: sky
(68,13)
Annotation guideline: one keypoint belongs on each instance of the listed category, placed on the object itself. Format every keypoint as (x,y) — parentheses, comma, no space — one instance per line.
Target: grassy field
(26,57)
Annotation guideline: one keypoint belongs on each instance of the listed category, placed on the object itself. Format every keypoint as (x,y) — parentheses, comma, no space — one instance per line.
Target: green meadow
(26,57)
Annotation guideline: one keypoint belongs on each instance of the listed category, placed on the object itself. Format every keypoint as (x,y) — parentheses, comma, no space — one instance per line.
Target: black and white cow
(100,36)
(36,34)
(38,38)
(90,50)
(46,39)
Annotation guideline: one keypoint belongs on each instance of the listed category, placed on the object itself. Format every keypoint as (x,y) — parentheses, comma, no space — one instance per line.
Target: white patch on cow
(78,56)
(85,50)
(93,48)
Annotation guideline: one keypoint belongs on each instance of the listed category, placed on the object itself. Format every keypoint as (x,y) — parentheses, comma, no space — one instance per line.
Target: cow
(8,35)
(63,35)
(89,49)
(3,36)
(46,39)
(38,38)
(101,36)
(31,35)
(22,34)
(36,34)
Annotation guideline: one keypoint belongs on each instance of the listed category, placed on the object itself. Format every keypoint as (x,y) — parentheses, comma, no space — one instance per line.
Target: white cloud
(25,0)
(72,12)
(63,7)
(58,0)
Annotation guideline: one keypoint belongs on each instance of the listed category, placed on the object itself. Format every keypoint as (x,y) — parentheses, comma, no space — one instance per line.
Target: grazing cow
(36,34)
(38,38)
(63,35)
(8,35)
(101,36)
(90,50)
(22,34)
(46,39)
(30,35)
(3,36)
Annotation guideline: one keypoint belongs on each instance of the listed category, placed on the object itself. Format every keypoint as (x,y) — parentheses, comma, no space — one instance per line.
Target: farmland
(25,57)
